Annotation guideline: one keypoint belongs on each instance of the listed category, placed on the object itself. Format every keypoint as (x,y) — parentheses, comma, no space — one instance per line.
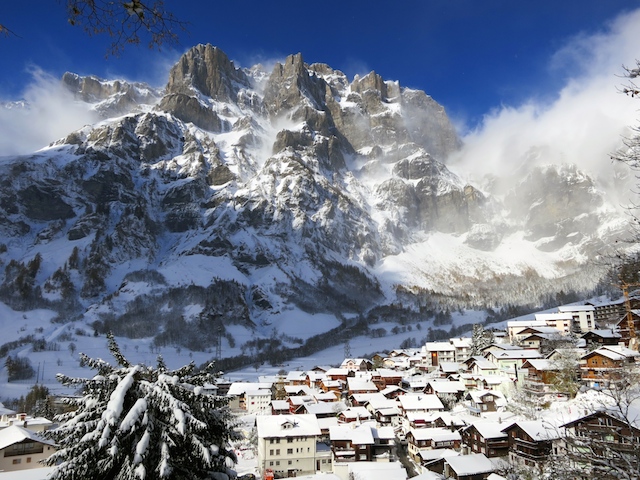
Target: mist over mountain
(235,195)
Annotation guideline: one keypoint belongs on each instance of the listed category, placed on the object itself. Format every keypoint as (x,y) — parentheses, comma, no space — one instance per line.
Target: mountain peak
(208,70)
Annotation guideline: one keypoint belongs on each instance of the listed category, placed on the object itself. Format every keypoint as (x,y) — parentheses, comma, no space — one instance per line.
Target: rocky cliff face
(236,194)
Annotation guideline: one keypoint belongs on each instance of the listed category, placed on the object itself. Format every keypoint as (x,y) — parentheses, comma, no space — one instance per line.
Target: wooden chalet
(487,438)
(530,442)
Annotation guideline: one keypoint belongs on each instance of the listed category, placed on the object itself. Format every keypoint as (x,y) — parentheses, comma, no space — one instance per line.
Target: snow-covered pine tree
(137,422)
(480,339)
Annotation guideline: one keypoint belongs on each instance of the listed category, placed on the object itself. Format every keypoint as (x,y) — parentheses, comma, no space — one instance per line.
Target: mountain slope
(234,195)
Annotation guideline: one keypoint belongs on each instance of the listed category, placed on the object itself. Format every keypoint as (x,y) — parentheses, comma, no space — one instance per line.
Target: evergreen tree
(137,422)
(480,339)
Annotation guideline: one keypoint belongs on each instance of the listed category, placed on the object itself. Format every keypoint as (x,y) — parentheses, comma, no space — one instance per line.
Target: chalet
(468,467)
(313,378)
(420,403)
(337,374)
(279,407)
(354,414)
(386,411)
(362,443)
(530,442)
(392,392)
(328,385)
(322,409)
(514,328)
(446,389)
(433,460)
(599,338)
(390,377)
(484,401)
(622,326)
(606,364)
(418,420)
(509,361)
(22,449)
(480,366)
(447,369)
(430,439)
(612,432)
(296,378)
(538,377)
(357,364)
(360,385)
(415,384)
(487,438)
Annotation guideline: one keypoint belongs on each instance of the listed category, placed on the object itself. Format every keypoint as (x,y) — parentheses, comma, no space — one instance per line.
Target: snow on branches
(137,422)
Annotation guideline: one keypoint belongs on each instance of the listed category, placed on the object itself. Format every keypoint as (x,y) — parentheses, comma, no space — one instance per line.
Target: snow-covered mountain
(235,198)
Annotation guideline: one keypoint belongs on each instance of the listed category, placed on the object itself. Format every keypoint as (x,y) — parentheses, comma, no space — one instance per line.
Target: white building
(583,316)
(287,444)
(22,449)
(258,401)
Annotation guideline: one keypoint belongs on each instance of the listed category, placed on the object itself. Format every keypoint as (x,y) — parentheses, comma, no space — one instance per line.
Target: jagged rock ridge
(235,194)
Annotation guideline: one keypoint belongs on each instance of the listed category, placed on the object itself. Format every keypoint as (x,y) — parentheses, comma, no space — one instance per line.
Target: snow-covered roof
(439,347)
(280,404)
(240,388)
(324,408)
(361,384)
(542,364)
(436,434)
(461,342)
(378,470)
(489,429)
(15,434)
(447,386)
(518,354)
(470,464)
(552,317)
(358,434)
(282,426)
(420,402)
(576,308)
(356,413)
(603,333)
(431,454)
(536,429)
(450,367)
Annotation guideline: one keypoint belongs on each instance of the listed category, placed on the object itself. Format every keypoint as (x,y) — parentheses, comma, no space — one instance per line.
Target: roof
(240,388)
(553,316)
(447,386)
(378,470)
(429,455)
(420,402)
(489,429)
(15,434)
(452,367)
(470,464)
(437,434)
(282,426)
(576,308)
(603,333)
(536,429)
(439,347)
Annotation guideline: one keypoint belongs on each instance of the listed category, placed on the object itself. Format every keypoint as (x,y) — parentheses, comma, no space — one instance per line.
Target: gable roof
(470,464)
(15,434)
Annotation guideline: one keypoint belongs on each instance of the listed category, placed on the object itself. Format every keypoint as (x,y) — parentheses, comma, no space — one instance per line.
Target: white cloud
(51,114)
(583,123)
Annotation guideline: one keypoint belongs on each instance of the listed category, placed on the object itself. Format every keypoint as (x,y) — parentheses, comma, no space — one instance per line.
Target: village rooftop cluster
(470,408)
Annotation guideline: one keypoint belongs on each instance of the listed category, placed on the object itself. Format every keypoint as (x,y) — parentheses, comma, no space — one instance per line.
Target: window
(289,440)
(17,461)
(277,462)
(289,462)
(289,451)
(271,464)
(277,451)
(271,452)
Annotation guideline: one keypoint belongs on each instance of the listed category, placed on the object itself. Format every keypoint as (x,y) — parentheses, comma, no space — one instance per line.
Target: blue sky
(472,56)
